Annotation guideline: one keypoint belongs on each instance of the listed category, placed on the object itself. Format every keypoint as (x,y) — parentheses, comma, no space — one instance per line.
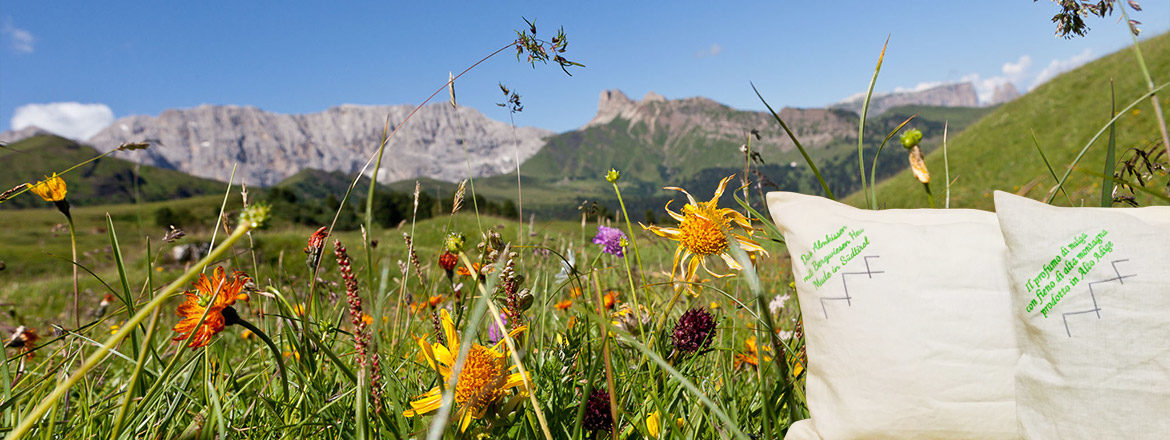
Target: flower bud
(911,138)
(454,242)
(612,176)
(256,216)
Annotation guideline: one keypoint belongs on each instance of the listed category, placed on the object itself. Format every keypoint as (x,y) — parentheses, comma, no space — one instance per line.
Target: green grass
(997,153)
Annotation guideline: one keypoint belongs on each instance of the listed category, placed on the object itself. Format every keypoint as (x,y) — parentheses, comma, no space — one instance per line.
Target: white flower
(778,303)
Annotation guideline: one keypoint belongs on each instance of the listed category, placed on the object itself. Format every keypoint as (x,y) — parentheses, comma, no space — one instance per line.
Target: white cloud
(70,119)
(714,49)
(22,41)
(1057,67)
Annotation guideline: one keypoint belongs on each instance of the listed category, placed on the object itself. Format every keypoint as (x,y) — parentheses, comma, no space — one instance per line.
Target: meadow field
(472,326)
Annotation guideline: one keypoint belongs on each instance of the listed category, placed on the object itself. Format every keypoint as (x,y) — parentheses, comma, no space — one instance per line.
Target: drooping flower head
(211,295)
(484,379)
(610,239)
(314,246)
(448,261)
(703,230)
(52,189)
(597,415)
(694,331)
(23,339)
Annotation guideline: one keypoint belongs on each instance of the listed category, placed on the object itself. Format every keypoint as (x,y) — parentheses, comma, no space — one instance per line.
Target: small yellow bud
(612,176)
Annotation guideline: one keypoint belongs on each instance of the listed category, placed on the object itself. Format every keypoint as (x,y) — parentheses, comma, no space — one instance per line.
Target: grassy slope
(107,180)
(997,152)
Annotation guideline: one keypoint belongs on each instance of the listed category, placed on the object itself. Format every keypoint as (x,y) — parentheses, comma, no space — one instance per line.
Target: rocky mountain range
(946,95)
(208,140)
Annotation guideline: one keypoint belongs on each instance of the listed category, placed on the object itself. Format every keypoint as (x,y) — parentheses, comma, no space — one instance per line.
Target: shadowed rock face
(207,141)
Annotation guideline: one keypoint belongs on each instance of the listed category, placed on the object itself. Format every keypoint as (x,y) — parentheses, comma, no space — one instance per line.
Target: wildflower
(597,415)
(247,334)
(367,319)
(494,333)
(211,296)
(454,242)
(23,339)
(703,230)
(629,321)
(564,304)
(483,380)
(694,331)
(777,304)
(752,354)
(299,309)
(314,246)
(610,239)
(52,189)
(448,261)
(612,175)
(652,424)
(610,299)
(474,266)
(114,328)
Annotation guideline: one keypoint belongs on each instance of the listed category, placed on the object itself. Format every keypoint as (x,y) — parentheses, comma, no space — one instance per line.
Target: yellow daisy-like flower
(485,377)
(703,230)
(52,189)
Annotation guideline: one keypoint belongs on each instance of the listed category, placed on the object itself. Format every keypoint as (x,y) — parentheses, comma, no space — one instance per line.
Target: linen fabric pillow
(1091,296)
(907,326)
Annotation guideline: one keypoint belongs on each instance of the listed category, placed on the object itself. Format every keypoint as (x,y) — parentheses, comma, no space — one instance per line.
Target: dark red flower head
(317,240)
(597,415)
(448,261)
(694,331)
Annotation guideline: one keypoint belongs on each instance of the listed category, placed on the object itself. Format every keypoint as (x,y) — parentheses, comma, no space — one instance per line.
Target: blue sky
(304,57)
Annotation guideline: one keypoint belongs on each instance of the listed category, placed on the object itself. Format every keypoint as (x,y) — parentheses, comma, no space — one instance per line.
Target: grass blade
(804,153)
(1107,183)
(861,122)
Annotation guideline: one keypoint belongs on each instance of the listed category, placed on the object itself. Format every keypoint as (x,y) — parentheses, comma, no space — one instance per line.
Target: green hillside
(103,181)
(998,152)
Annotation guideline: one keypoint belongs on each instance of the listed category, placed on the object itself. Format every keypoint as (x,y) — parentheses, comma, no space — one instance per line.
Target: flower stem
(231,317)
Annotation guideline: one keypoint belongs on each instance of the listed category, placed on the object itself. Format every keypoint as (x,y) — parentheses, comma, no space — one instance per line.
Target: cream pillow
(908,330)
(1091,296)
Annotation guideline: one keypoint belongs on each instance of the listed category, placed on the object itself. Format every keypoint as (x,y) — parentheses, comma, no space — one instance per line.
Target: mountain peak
(944,95)
(653,97)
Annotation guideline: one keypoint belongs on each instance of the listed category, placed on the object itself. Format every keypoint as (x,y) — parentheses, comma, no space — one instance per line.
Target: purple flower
(494,333)
(611,239)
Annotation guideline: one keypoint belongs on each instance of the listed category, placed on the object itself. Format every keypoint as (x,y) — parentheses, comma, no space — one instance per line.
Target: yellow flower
(652,424)
(52,189)
(485,377)
(703,230)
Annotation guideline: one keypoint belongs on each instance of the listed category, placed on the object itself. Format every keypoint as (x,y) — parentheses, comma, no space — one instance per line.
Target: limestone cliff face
(677,117)
(946,95)
(208,140)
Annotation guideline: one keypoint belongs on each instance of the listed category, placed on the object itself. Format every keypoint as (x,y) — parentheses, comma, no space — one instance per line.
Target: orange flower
(210,297)
(564,304)
(610,299)
(463,269)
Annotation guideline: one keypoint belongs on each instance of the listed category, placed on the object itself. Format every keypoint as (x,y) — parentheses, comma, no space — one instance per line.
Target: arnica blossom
(652,424)
(212,295)
(702,231)
(485,377)
(694,331)
(52,189)
(564,304)
(610,239)
(597,415)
